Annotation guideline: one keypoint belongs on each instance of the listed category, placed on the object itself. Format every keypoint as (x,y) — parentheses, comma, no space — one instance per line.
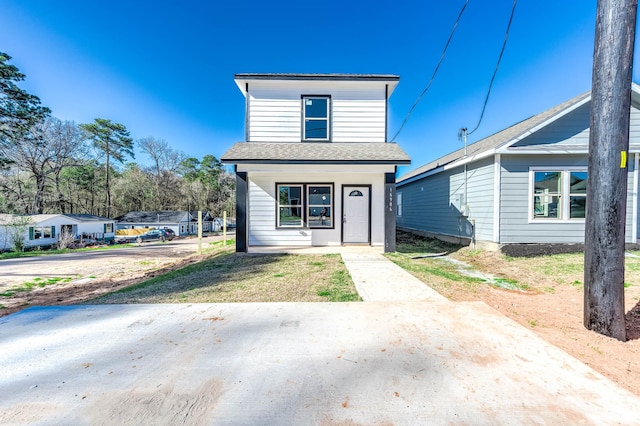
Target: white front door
(355,214)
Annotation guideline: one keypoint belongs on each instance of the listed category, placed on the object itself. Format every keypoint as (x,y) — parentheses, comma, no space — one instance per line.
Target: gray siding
(515,226)
(433,204)
(570,130)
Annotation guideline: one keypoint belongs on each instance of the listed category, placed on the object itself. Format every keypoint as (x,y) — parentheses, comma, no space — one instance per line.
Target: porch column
(241,212)
(389,212)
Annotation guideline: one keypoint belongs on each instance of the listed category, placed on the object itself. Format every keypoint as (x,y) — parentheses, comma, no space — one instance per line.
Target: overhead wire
(453,30)
(495,71)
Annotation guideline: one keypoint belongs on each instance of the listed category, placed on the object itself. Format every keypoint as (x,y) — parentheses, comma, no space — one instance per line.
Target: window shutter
(104,227)
(31,232)
(53,232)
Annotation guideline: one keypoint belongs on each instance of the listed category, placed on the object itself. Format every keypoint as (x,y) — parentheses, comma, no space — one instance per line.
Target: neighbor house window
(399,204)
(290,205)
(559,194)
(315,118)
(320,210)
(108,227)
(41,232)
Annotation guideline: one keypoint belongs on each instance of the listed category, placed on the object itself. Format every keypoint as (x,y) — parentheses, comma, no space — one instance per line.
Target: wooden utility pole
(607,181)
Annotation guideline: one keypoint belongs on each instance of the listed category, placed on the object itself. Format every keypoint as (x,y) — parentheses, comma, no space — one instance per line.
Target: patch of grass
(224,276)
(412,244)
(508,283)
(627,285)
(36,282)
(549,290)
(440,275)
(340,288)
(577,283)
(533,323)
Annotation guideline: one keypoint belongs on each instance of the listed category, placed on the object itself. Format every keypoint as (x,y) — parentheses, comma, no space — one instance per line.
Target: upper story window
(315,118)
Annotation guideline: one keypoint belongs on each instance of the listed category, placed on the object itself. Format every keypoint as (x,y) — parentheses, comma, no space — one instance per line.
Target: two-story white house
(315,168)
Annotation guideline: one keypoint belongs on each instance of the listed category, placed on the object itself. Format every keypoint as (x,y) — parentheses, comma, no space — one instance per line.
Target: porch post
(389,212)
(241,212)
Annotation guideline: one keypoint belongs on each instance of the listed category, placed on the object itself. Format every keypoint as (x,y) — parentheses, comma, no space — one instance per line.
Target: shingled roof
(316,153)
(509,135)
(152,217)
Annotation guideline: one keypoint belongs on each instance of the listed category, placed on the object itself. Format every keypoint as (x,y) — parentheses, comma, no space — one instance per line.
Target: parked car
(156,234)
(170,233)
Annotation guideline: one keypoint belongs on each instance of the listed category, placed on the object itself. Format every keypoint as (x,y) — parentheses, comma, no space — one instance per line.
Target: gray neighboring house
(181,222)
(524,184)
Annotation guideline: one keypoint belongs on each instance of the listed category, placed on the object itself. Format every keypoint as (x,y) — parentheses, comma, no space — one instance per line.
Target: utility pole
(607,178)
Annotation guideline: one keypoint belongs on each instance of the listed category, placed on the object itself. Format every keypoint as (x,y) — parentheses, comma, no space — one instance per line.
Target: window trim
(301,206)
(304,137)
(304,205)
(565,193)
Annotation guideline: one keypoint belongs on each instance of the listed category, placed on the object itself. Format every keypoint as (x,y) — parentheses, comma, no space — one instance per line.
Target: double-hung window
(558,194)
(315,118)
(305,205)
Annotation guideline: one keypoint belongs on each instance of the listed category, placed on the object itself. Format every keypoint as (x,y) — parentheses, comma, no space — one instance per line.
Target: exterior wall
(357,110)
(515,226)
(435,204)
(262,204)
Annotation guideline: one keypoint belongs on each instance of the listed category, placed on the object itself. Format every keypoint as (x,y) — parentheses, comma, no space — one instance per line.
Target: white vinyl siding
(358,111)
(262,207)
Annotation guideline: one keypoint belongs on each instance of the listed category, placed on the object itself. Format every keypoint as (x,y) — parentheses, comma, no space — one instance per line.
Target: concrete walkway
(406,356)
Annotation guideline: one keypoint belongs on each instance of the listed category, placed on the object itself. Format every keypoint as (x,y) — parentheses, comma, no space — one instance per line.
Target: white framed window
(557,194)
(316,118)
(399,204)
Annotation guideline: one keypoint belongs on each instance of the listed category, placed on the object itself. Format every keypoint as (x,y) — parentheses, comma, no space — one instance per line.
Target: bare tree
(44,151)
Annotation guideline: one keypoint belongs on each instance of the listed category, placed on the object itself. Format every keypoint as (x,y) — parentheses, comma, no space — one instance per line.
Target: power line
(453,30)
(504,44)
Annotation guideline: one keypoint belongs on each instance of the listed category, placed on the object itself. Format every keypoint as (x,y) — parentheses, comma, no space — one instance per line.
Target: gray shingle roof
(491,143)
(316,152)
(152,217)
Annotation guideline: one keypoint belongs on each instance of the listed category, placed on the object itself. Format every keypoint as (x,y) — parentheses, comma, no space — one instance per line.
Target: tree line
(48,165)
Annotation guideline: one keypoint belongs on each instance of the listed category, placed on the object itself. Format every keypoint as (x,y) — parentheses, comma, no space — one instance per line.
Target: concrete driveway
(403,362)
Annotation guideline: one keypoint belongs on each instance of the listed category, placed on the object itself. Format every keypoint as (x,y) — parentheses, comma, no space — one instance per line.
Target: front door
(355,214)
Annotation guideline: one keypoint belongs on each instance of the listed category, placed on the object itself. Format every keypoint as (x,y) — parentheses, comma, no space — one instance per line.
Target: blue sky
(165,69)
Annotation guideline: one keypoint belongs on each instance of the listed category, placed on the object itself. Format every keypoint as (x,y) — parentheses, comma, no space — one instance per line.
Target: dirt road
(88,274)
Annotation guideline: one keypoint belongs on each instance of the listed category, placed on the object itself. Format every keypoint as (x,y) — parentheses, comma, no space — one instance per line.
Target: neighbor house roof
(82,217)
(153,217)
(509,135)
(316,153)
